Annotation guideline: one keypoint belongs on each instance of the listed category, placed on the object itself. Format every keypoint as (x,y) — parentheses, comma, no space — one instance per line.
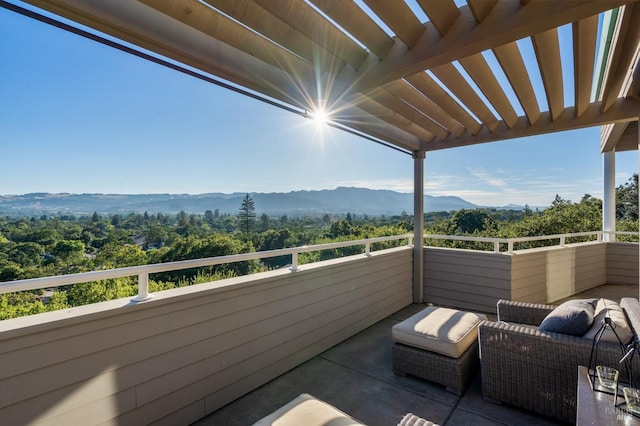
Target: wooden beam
(353,19)
(147,28)
(512,64)
(456,83)
(271,27)
(481,8)
(413,97)
(628,141)
(394,103)
(425,84)
(621,110)
(610,135)
(508,21)
(400,18)
(442,14)
(623,54)
(315,26)
(584,52)
(547,48)
(371,108)
(220,27)
(478,69)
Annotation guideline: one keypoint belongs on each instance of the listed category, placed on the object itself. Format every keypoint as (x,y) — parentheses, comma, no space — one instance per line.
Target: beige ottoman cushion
(442,330)
(309,411)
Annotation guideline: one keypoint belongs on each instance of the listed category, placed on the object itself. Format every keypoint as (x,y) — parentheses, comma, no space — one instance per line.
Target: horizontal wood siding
(190,351)
(466,279)
(622,263)
(547,274)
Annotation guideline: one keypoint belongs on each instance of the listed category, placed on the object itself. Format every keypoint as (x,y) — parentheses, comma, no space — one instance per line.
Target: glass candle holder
(607,377)
(632,398)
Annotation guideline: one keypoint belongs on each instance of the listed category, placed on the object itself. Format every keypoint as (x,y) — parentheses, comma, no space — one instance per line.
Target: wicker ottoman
(439,345)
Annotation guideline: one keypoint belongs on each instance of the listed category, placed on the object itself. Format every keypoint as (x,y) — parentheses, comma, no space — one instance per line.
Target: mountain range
(336,201)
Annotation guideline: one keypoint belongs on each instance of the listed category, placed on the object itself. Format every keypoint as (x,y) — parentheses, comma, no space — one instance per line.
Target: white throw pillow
(611,309)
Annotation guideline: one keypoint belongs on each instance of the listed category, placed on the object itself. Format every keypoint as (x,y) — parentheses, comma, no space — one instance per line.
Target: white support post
(143,289)
(609,198)
(294,262)
(418,226)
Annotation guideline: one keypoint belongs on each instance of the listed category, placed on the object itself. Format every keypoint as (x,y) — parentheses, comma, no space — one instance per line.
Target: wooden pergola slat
(584,52)
(478,69)
(399,17)
(547,48)
(309,22)
(451,77)
(442,14)
(384,97)
(623,54)
(512,64)
(407,93)
(354,20)
(425,84)
(259,19)
(481,8)
(218,26)
(388,115)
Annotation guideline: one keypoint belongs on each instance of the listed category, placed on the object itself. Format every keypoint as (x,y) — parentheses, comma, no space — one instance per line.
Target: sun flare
(320,117)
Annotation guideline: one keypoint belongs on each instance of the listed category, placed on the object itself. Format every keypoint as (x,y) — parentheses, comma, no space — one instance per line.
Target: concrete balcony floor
(356,376)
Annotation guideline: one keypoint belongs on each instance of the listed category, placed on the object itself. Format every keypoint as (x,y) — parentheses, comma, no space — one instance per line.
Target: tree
(117,255)
(247,214)
(627,200)
(264,222)
(67,249)
(209,216)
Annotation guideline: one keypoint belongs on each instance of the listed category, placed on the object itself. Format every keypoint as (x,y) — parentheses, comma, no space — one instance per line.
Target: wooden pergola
(404,88)
(381,71)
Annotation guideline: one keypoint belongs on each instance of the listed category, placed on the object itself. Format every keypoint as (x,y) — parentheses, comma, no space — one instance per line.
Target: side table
(597,408)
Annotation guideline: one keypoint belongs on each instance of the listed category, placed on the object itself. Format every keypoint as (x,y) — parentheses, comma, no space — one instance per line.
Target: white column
(418,226)
(609,198)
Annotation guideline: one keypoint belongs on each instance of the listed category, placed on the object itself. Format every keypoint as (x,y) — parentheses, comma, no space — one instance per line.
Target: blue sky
(77,116)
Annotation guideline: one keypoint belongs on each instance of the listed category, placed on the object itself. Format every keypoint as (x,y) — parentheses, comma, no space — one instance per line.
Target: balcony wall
(190,351)
(466,279)
(477,280)
(622,263)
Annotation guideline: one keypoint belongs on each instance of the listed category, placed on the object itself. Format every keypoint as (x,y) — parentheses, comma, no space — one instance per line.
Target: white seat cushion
(442,330)
(308,411)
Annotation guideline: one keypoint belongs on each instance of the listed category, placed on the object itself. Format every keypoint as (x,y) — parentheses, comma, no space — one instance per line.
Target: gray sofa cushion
(573,317)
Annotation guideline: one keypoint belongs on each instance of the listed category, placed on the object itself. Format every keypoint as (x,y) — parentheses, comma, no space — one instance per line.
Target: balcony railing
(499,243)
(143,271)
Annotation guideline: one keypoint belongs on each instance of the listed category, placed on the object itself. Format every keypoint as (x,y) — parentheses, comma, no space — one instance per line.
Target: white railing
(143,271)
(509,242)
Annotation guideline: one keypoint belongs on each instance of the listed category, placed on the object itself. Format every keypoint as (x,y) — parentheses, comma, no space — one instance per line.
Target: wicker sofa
(537,370)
